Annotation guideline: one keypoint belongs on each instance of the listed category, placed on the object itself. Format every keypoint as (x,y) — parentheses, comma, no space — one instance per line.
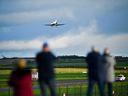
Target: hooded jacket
(21,82)
(108,66)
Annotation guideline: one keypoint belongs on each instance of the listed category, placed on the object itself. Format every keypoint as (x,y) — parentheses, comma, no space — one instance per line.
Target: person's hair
(94,48)
(20,64)
(106,51)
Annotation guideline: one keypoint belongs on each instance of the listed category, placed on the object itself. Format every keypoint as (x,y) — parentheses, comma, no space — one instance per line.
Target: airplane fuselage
(54,23)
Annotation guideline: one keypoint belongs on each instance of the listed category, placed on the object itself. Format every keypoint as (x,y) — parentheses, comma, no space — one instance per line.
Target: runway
(57,84)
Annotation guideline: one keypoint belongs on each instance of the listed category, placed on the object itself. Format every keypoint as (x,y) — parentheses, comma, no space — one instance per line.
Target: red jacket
(21,82)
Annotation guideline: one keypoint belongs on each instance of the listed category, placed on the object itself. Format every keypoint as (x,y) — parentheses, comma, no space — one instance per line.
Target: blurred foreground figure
(95,71)
(109,75)
(21,80)
(46,71)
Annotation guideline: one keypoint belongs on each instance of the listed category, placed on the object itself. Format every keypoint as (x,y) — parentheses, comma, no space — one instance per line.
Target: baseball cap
(45,44)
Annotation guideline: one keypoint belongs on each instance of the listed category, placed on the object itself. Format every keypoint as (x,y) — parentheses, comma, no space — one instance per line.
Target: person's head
(45,47)
(106,51)
(20,64)
(95,49)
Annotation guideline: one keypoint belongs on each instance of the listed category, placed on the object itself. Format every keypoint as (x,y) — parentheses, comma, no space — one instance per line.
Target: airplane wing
(60,24)
(48,25)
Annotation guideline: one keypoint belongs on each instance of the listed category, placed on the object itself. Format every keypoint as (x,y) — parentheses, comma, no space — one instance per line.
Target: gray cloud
(28,11)
(73,41)
(81,41)
(29,17)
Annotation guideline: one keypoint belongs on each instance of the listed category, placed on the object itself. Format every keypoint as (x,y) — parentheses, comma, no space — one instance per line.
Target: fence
(119,89)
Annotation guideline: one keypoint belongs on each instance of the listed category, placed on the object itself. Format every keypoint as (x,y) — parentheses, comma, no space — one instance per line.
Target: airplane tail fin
(56,20)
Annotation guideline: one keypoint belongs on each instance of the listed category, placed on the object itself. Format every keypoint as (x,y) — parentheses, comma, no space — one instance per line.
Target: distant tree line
(71,57)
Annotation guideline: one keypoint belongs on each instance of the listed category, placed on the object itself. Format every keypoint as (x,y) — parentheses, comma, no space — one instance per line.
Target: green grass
(72,90)
(122,64)
(57,75)
(6,93)
(71,78)
(72,62)
(60,64)
(63,76)
(4,84)
(6,67)
(4,76)
(1,80)
(70,75)
(118,64)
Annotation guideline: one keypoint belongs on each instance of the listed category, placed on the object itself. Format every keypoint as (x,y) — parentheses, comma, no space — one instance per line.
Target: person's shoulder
(14,72)
(27,71)
(89,53)
(97,53)
(111,57)
(21,72)
(93,53)
(50,53)
(39,53)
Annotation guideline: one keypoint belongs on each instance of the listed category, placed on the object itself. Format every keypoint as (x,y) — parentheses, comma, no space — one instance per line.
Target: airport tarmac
(57,84)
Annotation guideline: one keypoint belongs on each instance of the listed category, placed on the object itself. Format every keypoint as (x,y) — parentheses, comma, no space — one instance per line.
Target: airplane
(54,23)
(4,57)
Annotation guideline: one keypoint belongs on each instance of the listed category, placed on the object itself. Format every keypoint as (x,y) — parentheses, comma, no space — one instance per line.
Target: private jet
(54,23)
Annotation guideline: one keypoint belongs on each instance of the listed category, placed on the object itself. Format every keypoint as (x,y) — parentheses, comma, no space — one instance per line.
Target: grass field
(72,90)
(57,70)
(71,62)
(59,76)
(118,64)
(64,74)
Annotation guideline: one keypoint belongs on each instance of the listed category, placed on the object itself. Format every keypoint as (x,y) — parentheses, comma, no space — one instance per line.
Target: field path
(57,83)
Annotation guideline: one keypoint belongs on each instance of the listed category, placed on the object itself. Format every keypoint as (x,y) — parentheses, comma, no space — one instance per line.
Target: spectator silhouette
(95,70)
(21,80)
(45,69)
(108,66)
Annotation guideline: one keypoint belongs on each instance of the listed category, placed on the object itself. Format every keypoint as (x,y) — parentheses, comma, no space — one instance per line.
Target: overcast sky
(103,23)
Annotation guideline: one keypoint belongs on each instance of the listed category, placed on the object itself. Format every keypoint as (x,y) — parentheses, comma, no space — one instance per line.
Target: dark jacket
(21,82)
(95,65)
(45,65)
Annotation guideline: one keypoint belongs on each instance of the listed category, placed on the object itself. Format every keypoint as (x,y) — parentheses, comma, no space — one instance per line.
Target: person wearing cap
(21,79)
(45,68)
(95,70)
(108,66)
